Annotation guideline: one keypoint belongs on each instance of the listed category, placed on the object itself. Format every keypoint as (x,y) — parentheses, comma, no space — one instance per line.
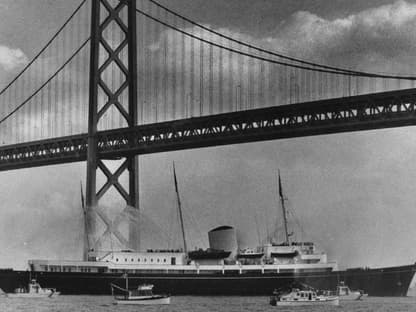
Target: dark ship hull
(391,281)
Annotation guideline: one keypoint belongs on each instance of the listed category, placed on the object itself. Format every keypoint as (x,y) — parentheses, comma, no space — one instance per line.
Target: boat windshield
(143,292)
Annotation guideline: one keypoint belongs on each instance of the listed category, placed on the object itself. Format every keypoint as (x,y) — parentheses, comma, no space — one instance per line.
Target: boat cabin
(299,295)
(143,290)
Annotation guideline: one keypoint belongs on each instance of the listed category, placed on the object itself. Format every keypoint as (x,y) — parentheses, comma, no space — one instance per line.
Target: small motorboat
(249,253)
(297,297)
(143,295)
(33,291)
(344,293)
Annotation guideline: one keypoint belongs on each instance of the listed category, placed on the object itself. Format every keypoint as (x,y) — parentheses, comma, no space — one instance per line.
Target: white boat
(143,295)
(33,291)
(345,293)
(299,297)
(249,253)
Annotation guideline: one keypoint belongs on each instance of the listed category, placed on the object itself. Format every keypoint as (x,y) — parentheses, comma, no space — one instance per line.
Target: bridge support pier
(109,17)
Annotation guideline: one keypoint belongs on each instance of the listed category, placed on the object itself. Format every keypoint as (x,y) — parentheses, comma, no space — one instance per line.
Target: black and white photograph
(198,156)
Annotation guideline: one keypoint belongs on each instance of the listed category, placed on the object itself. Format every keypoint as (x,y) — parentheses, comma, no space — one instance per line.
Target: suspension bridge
(122,78)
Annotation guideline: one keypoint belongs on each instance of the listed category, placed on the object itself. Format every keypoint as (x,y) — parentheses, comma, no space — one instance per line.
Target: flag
(280,186)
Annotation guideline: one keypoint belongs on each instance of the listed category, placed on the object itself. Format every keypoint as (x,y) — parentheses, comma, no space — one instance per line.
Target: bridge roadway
(364,112)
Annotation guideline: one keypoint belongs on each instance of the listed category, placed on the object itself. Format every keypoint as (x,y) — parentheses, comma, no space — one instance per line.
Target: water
(198,304)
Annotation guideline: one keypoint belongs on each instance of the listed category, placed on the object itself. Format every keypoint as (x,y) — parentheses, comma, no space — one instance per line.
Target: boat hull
(351,297)
(332,302)
(25,295)
(155,300)
(392,281)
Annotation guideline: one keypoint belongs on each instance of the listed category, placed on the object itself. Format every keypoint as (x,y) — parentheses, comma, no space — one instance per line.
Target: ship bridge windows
(87,269)
(55,268)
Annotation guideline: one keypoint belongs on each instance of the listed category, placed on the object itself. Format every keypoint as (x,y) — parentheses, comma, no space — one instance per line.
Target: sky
(352,193)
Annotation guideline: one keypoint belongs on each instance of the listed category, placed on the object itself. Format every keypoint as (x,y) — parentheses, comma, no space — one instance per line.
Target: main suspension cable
(345,73)
(330,69)
(44,48)
(45,83)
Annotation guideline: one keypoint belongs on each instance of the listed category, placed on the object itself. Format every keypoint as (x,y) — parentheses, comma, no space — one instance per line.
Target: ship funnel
(224,238)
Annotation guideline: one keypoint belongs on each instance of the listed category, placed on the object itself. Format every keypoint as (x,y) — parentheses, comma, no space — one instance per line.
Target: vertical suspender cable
(211,80)
(183,97)
(201,78)
(63,94)
(70,97)
(220,79)
(165,70)
(230,78)
(42,98)
(154,73)
(174,71)
(16,116)
(240,73)
(262,84)
(192,77)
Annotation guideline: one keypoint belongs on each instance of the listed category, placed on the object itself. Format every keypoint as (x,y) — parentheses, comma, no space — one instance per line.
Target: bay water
(199,304)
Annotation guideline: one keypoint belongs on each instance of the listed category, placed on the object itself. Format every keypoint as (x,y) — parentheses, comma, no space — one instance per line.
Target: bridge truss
(364,112)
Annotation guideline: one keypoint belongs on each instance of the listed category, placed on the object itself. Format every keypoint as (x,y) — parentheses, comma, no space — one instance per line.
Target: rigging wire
(45,83)
(44,48)
(272,52)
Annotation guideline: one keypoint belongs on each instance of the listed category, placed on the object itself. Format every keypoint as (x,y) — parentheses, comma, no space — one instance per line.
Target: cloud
(379,39)
(375,40)
(11,59)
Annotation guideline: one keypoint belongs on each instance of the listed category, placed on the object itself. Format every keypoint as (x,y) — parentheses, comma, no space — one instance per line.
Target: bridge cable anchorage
(321,68)
(46,82)
(44,48)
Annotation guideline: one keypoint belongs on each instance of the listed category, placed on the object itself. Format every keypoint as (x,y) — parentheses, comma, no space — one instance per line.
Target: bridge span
(356,113)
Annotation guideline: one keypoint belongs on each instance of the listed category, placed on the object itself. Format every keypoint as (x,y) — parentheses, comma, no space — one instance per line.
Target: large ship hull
(390,281)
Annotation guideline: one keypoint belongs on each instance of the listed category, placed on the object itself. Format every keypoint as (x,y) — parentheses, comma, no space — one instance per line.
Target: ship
(222,269)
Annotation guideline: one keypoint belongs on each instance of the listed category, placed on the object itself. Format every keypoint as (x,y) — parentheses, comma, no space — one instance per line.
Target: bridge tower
(107,54)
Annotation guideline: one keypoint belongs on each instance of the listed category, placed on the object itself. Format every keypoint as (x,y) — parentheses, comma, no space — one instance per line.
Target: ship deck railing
(182,269)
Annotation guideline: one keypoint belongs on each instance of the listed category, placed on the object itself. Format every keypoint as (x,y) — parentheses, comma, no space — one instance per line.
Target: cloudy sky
(352,193)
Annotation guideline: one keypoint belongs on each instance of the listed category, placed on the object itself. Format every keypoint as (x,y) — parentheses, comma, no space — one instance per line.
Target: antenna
(179,208)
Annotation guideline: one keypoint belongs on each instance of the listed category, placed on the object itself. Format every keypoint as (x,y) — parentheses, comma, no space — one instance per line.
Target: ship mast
(86,239)
(283,208)
(180,209)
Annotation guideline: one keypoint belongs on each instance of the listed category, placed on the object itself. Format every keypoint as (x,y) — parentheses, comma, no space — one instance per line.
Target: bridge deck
(364,112)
